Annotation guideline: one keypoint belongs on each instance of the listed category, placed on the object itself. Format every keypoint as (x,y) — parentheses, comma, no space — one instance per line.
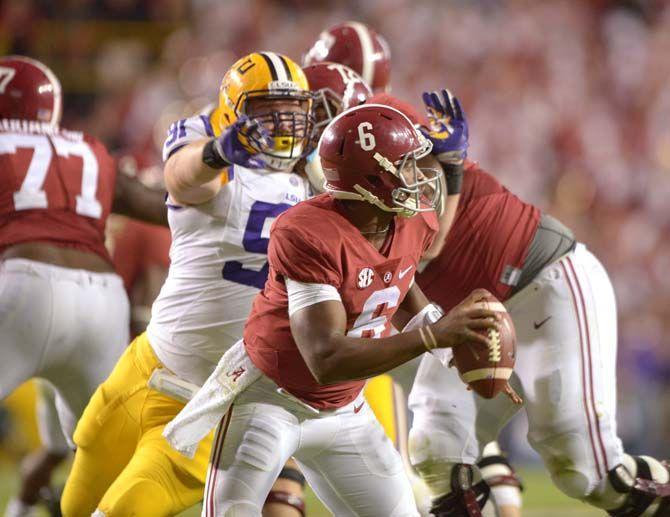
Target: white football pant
(344,454)
(68,326)
(565,371)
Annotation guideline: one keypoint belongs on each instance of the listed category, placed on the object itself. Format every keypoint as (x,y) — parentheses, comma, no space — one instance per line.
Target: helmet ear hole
(375,181)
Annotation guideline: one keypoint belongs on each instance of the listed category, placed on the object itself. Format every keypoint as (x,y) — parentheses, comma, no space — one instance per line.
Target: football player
(341,265)
(563,306)
(228,175)
(63,310)
(336,88)
(357,45)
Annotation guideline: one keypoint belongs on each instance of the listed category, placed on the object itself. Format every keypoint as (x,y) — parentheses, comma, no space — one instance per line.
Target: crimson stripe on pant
(214,463)
(584,360)
(588,341)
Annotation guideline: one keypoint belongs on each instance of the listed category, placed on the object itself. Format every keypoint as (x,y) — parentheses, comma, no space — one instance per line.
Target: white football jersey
(218,261)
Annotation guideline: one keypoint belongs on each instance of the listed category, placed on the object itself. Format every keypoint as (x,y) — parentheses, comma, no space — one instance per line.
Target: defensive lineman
(219,221)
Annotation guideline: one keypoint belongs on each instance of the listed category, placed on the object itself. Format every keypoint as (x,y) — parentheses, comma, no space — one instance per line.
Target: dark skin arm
(414,301)
(133,199)
(319,332)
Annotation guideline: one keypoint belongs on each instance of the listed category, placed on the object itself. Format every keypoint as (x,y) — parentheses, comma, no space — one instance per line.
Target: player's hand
(464,323)
(448,127)
(241,142)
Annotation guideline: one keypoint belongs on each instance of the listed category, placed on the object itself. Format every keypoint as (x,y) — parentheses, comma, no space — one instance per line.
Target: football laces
(495,352)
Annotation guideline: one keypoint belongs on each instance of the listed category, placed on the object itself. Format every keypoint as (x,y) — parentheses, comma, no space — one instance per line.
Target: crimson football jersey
(313,243)
(488,241)
(57,187)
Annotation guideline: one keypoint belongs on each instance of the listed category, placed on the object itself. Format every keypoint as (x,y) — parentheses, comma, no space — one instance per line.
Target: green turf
(541,499)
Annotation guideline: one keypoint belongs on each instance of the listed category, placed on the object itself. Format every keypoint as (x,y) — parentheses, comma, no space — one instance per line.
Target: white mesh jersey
(218,261)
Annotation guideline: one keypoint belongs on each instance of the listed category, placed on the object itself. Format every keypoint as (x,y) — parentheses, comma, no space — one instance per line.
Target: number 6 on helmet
(370,153)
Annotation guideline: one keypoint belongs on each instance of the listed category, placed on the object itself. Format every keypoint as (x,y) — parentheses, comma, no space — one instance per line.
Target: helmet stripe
(271,66)
(276,63)
(367,50)
(287,69)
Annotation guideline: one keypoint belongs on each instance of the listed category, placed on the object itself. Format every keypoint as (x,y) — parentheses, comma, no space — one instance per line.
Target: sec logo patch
(365,277)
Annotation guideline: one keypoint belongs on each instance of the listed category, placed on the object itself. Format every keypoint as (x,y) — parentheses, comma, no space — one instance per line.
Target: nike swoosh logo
(538,325)
(404,272)
(358,408)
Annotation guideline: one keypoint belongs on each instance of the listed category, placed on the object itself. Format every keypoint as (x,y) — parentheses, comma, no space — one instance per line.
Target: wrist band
(428,338)
(453,175)
(211,157)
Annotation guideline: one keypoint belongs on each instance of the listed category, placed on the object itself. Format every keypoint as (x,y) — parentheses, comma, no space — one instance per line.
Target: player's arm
(136,200)
(192,170)
(188,179)
(319,331)
(415,302)
(446,219)
(450,138)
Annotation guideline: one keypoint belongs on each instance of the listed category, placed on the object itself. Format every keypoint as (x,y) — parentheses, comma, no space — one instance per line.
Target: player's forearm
(133,199)
(188,179)
(350,358)
(446,220)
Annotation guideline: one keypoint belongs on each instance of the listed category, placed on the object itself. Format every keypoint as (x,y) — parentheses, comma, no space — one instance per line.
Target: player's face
(417,172)
(278,116)
(286,121)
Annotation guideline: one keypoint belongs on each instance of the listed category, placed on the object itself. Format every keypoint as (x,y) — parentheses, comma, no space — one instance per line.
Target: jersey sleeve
(184,132)
(296,255)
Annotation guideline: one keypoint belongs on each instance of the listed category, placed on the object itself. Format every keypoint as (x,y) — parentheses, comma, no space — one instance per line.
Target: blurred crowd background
(568,103)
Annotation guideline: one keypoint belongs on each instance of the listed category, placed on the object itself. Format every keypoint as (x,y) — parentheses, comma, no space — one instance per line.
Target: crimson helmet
(336,88)
(418,118)
(357,46)
(369,153)
(29,90)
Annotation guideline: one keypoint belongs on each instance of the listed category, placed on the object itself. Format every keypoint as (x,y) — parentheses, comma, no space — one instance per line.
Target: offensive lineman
(63,310)
(341,265)
(228,176)
(564,311)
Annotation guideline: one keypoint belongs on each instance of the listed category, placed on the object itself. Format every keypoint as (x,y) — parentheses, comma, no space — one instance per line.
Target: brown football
(486,370)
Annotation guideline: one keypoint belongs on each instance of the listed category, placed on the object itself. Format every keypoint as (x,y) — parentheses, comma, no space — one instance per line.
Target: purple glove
(241,142)
(449,129)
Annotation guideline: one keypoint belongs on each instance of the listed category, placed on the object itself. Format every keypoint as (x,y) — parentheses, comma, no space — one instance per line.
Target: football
(487,370)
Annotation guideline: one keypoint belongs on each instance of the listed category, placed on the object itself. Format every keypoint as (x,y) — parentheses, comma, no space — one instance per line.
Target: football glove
(448,127)
(234,145)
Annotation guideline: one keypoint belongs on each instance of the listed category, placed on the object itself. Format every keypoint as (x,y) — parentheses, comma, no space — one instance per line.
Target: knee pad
(451,444)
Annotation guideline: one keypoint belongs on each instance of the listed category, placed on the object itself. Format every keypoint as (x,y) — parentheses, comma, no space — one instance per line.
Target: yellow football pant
(380,396)
(123,466)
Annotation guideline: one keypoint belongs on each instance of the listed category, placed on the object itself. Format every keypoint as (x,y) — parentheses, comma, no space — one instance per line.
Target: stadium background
(568,104)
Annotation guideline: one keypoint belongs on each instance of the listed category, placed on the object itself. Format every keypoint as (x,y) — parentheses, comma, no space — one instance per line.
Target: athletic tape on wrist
(211,157)
(428,338)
